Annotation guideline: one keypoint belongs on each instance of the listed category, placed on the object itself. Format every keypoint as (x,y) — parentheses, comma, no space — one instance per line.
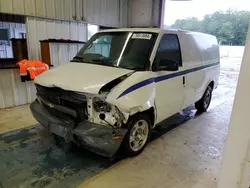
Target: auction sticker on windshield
(142,36)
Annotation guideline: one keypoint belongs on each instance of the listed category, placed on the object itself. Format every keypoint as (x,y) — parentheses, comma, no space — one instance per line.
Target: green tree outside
(230,27)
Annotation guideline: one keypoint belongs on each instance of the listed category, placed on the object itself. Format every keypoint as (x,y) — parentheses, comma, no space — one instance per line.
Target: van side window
(169,48)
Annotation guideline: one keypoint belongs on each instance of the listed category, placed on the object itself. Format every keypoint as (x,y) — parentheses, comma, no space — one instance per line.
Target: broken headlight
(101,105)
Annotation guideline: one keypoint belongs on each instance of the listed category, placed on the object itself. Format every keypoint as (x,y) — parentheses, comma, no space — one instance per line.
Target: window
(4,37)
(22,35)
(169,48)
(4,34)
(129,50)
(92,29)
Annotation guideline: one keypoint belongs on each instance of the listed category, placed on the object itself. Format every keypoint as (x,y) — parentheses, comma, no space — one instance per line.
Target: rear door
(169,84)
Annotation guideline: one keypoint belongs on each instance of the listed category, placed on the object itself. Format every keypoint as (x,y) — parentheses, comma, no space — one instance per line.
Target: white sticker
(142,36)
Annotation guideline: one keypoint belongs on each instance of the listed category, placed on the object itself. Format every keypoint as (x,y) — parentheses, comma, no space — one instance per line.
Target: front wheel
(203,104)
(139,130)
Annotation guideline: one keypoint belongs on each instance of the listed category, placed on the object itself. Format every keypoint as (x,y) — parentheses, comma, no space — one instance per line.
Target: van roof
(154,30)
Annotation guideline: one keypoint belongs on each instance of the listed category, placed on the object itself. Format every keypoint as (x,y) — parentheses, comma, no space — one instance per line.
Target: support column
(145,13)
(235,164)
(162,12)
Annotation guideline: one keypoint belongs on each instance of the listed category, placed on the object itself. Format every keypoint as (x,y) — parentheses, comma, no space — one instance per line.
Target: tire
(139,131)
(203,104)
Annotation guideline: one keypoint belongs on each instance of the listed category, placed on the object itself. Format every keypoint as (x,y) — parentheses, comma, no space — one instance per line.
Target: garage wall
(41,29)
(13,92)
(101,12)
(61,53)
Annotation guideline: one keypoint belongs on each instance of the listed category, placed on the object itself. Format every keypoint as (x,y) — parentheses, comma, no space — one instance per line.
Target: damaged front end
(86,119)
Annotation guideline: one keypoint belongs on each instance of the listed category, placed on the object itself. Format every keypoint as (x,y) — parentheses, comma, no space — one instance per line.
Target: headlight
(100,105)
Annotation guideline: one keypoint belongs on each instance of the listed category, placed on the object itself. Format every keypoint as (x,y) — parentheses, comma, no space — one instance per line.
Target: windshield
(129,50)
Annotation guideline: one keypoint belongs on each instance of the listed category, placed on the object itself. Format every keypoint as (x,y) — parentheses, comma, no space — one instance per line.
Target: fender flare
(145,108)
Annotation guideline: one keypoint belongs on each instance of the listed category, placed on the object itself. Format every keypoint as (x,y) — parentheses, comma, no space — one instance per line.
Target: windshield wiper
(77,59)
(133,68)
(104,62)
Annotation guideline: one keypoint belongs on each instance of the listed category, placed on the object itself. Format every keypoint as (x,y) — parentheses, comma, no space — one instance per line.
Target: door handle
(183,80)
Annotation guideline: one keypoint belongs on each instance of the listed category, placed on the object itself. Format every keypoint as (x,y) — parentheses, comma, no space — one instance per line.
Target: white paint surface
(170,93)
(80,77)
(235,163)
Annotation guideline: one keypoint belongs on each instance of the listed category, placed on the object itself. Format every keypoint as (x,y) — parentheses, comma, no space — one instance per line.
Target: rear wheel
(137,136)
(203,104)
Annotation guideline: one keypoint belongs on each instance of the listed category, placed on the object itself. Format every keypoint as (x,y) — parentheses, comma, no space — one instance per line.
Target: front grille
(57,95)
(64,98)
(57,113)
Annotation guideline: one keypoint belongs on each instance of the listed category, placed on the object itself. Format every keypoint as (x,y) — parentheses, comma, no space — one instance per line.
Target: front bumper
(97,138)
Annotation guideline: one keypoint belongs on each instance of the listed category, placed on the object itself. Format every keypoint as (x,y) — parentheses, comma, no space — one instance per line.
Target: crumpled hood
(80,77)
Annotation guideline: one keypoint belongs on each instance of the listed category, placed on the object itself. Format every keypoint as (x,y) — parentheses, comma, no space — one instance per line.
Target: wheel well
(150,113)
(212,84)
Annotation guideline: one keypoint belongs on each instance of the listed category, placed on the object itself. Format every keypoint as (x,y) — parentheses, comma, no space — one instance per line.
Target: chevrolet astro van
(123,83)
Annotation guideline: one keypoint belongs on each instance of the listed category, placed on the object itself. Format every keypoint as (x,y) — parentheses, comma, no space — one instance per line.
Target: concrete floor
(188,156)
(30,157)
(15,118)
(181,154)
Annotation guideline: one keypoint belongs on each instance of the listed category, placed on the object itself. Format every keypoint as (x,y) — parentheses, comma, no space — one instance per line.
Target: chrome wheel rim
(207,98)
(138,135)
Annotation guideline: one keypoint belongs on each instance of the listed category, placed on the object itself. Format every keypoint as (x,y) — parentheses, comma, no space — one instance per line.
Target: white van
(124,82)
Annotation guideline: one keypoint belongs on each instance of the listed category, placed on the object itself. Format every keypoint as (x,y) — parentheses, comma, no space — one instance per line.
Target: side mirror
(167,65)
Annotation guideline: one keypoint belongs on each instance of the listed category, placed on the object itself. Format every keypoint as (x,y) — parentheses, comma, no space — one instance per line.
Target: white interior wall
(62,53)
(14,30)
(41,29)
(235,168)
(246,173)
(13,92)
(92,29)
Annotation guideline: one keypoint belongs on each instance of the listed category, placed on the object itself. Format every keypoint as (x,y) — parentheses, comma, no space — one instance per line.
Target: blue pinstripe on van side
(163,78)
